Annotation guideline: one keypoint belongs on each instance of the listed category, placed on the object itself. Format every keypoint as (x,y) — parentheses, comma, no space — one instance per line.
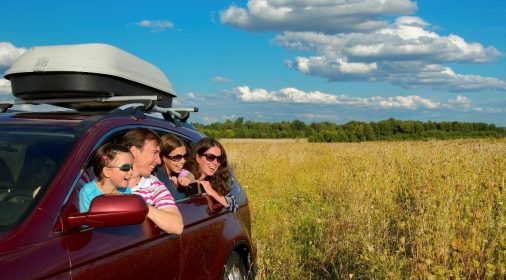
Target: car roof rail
(176,115)
(98,103)
(111,104)
(180,114)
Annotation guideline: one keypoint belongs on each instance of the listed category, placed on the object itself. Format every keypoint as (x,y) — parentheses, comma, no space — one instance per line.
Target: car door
(121,252)
(204,236)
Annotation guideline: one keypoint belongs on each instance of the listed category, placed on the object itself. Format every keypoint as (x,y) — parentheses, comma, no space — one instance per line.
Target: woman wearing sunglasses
(174,156)
(112,165)
(209,165)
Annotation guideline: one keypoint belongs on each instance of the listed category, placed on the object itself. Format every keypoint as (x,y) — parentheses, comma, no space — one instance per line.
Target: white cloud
(155,25)
(219,79)
(209,119)
(399,42)
(309,15)
(411,59)
(460,100)
(8,53)
(351,40)
(5,88)
(191,96)
(293,95)
(319,117)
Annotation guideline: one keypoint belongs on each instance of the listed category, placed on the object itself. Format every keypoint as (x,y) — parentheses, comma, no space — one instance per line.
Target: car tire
(235,268)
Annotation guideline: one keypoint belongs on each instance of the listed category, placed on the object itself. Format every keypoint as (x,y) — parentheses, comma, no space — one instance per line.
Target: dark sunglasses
(177,158)
(211,157)
(124,167)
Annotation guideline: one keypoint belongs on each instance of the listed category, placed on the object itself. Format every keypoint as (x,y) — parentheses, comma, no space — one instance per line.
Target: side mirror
(111,210)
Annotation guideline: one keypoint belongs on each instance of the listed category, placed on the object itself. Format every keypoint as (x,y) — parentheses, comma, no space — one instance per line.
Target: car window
(179,193)
(29,157)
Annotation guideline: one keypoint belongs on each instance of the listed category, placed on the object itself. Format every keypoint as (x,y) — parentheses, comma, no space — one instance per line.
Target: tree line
(354,131)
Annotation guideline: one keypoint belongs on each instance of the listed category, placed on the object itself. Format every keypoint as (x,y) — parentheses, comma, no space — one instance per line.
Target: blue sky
(312,60)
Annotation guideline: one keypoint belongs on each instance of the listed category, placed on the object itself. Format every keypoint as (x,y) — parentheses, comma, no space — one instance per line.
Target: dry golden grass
(376,210)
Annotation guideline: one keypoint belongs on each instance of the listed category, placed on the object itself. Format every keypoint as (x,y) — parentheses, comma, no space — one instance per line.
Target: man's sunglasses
(124,167)
(177,158)
(211,157)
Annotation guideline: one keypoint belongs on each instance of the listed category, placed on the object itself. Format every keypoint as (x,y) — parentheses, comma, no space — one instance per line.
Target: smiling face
(209,161)
(175,160)
(146,158)
(119,171)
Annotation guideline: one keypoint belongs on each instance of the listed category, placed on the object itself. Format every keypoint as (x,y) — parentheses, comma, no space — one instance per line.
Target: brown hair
(104,155)
(220,181)
(168,143)
(137,137)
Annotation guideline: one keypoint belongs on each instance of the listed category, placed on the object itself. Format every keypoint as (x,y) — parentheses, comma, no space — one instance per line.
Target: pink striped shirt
(154,192)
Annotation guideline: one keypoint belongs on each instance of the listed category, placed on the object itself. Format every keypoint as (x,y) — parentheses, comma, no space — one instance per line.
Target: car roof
(81,121)
(65,119)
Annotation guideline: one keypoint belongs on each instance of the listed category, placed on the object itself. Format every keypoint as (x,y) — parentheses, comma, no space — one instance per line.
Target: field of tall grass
(375,210)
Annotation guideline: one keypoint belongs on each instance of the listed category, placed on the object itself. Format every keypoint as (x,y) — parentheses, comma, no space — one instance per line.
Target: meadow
(375,210)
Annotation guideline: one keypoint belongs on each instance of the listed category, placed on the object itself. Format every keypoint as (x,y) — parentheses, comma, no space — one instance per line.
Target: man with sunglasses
(144,144)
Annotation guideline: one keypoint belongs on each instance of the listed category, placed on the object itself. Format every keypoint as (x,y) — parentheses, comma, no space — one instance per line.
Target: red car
(43,160)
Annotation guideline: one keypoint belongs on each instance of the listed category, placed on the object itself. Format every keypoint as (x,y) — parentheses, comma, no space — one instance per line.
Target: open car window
(179,193)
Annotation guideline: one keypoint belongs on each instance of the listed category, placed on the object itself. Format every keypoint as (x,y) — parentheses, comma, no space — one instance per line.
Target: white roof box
(86,70)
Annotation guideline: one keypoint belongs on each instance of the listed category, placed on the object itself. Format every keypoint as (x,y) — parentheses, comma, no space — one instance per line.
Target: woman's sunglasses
(177,158)
(124,167)
(211,157)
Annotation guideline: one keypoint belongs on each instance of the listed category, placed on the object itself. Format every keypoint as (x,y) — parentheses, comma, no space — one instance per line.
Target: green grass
(375,210)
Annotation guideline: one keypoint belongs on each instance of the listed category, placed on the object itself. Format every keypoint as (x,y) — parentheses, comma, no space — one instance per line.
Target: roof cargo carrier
(86,71)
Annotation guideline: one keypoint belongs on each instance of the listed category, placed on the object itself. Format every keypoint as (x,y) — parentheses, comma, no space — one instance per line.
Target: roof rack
(102,104)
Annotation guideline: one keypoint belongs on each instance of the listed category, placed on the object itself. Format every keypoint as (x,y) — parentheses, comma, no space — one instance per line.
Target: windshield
(29,157)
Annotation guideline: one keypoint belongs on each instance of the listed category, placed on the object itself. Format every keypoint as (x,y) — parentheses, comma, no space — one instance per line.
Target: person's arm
(168,219)
(214,194)
(164,212)
(228,201)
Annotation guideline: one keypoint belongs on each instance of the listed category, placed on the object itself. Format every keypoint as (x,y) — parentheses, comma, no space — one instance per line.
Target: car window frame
(40,192)
(115,133)
(189,142)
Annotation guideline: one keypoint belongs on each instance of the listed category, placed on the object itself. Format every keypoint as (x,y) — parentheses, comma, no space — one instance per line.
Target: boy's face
(147,158)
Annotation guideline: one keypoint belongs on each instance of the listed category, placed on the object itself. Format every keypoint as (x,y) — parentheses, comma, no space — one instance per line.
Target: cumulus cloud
(402,41)
(219,79)
(351,41)
(8,53)
(209,119)
(5,88)
(312,116)
(319,16)
(293,95)
(155,25)
(404,54)
(191,96)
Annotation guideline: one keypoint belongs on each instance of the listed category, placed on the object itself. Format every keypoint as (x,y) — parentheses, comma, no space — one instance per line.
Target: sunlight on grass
(375,210)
